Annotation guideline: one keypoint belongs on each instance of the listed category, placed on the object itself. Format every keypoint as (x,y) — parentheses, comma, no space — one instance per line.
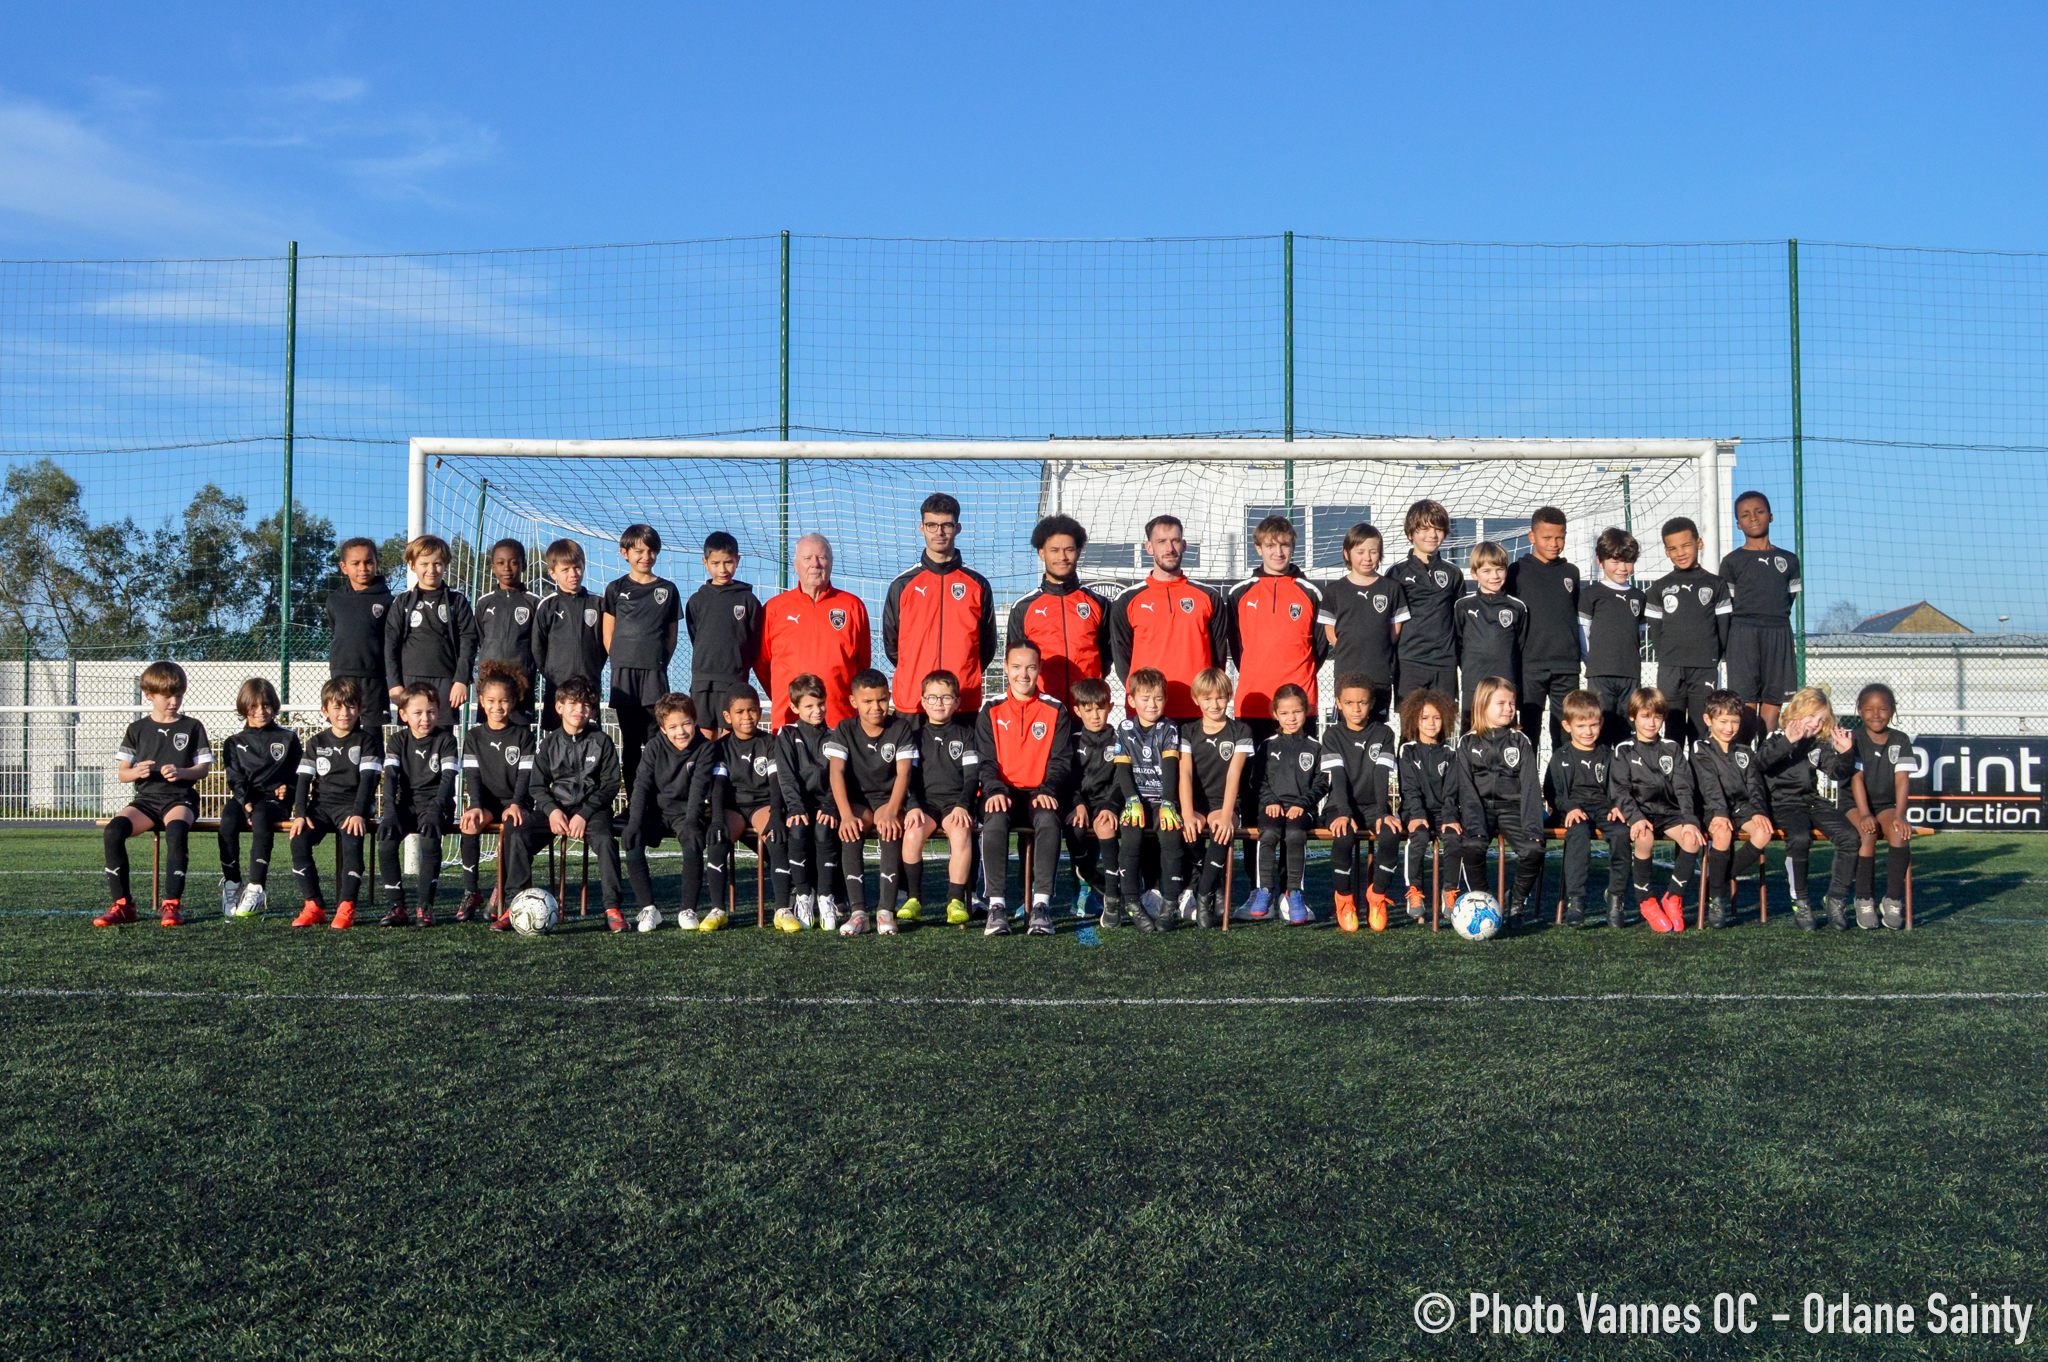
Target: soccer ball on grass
(1476,915)
(534,911)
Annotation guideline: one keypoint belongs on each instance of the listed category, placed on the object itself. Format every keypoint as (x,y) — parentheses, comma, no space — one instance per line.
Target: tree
(203,566)
(63,581)
(314,571)
(1841,617)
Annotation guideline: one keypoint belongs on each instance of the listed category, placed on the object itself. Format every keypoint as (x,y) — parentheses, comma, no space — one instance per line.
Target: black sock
(115,843)
(1746,857)
(175,859)
(1866,876)
(1895,867)
(913,876)
(1684,865)
(1643,867)
(1717,871)
(955,891)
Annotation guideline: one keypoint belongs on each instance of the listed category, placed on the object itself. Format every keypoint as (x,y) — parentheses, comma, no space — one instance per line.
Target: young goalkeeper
(948,791)
(497,757)
(1292,784)
(1358,757)
(1577,790)
(1500,790)
(807,808)
(671,788)
(870,757)
(419,797)
(1148,768)
(1808,743)
(1092,822)
(1214,751)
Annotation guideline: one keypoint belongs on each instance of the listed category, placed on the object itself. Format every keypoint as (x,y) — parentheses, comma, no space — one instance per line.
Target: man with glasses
(940,615)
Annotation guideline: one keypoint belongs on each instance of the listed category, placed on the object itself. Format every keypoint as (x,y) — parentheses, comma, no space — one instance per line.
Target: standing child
(1762,581)
(1358,758)
(1148,770)
(419,797)
(1611,624)
(948,780)
(430,633)
(1651,782)
(1875,801)
(1278,629)
(1548,586)
(1732,800)
(337,790)
(1292,784)
(260,760)
(356,613)
(1431,584)
(1429,793)
(1493,627)
(568,630)
(1688,610)
(670,792)
(641,612)
(1366,615)
(1092,822)
(1576,788)
(574,786)
(1500,791)
(164,756)
(807,808)
(743,793)
(1808,743)
(870,759)
(1026,755)
(505,620)
(1214,751)
(497,758)
(724,622)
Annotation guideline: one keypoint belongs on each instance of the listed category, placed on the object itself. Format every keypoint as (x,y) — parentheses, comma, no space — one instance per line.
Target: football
(534,911)
(1475,915)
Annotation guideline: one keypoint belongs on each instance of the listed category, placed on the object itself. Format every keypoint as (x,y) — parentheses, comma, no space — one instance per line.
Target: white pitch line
(847,1000)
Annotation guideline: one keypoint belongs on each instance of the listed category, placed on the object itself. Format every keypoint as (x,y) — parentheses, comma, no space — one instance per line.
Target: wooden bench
(198,825)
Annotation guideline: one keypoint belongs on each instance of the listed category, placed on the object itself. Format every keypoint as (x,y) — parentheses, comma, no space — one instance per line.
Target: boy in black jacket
(1611,624)
(745,797)
(1576,787)
(574,786)
(337,789)
(1651,782)
(670,791)
(871,757)
(948,776)
(260,760)
(430,633)
(356,614)
(1689,611)
(1358,757)
(419,797)
(809,814)
(1292,784)
(1091,828)
(568,630)
(1732,800)
(724,621)
(505,619)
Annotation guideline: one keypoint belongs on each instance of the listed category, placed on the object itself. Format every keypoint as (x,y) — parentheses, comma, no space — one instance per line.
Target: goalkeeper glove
(1169,818)
(1134,812)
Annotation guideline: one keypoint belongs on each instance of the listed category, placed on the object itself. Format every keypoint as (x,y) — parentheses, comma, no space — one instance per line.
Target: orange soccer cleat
(344,916)
(1347,912)
(312,915)
(120,915)
(1376,905)
(171,917)
(1652,909)
(615,919)
(1418,903)
(1674,912)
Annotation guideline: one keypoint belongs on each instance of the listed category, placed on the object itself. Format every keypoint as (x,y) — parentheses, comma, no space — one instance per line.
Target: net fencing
(1922,411)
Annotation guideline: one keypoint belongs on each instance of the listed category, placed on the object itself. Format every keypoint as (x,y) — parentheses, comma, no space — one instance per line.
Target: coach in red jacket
(1068,622)
(1169,622)
(940,615)
(813,627)
(1276,638)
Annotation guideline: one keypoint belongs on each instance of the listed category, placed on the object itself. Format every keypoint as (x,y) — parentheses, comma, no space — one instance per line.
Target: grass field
(237,1141)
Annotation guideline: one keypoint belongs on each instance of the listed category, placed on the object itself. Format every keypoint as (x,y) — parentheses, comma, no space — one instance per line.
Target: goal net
(864,497)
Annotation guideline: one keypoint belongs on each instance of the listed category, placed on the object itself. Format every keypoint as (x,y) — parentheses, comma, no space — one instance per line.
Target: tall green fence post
(1287,357)
(1798,454)
(284,524)
(782,522)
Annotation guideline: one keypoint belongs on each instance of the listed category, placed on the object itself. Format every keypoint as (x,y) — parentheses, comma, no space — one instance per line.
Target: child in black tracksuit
(1651,783)
(568,631)
(642,613)
(356,614)
(430,633)
(574,786)
(724,622)
(1733,804)
(1214,751)
(808,810)
(1428,793)
(1807,743)
(260,761)
(1576,787)
(745,798)
(505,619)
(671,790)
(948,791)
(419,797)
(1500,790)
(1358,757)
(1493,627)
(337,789)
(1292,785)
(1091,826)
(497,758)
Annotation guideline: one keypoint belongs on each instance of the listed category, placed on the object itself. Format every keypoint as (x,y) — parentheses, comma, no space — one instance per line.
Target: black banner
(1978,782)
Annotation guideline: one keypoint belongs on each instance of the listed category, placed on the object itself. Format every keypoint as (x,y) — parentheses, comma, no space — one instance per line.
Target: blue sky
(154,130)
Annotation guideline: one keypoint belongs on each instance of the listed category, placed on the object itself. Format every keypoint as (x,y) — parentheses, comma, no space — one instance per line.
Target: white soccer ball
(1476,915)
(534,911)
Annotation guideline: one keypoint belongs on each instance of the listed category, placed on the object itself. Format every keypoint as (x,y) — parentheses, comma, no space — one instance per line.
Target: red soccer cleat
(1652,909)
(120,915)
(1347,912)
(1418,902)
(1674,912)
(344,916)
(312,915)
(470,909)
(1376,905)
(171,917)
(616,919)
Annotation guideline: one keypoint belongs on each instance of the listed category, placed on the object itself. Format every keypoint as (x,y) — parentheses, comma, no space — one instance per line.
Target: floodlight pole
(1287,356)
(782,525)
(1798,454)
(284,523)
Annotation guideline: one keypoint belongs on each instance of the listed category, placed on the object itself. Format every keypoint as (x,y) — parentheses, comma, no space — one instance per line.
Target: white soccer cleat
(1188,910)
(687,920)
(649,919)
(1152,903)
(885,923)
(856,923)
(806,911)
(252,903)
(230,898)
(828,914)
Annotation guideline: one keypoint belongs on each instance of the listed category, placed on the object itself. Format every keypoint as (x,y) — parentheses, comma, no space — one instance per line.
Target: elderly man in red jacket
(814,627)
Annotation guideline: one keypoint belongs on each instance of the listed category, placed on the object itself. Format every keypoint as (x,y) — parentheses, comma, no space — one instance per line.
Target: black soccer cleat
(397,917)
(1210,911)
(1802,913)
(1113,913)
(1575,912)
(1838,914)
(1718,913)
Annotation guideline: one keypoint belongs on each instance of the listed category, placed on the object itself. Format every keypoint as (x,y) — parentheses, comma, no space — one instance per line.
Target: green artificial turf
(460,1144)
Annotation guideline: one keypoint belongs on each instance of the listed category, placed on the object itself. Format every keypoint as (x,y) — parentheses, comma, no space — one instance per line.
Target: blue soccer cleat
(1297,911)
(1257,908)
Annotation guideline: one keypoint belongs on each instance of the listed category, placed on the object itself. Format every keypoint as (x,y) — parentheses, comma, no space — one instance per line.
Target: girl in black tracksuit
(1806,744)
(1291,778)
(1428,795)
(1500,790)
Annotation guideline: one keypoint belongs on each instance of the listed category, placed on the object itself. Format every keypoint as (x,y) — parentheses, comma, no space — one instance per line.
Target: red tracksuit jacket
(1025,747)
(1177,626)
(1070,624)
(828,636)
(1276,638)
(939,615)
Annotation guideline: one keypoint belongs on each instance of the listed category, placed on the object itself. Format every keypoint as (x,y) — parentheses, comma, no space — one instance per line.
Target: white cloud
(328,89)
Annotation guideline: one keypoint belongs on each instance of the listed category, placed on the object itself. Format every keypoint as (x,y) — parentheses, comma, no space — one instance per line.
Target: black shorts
(1417,676)
(1761,666)
(711,698)
(1663,819)
(637,686)
(159,800)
